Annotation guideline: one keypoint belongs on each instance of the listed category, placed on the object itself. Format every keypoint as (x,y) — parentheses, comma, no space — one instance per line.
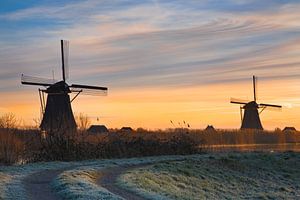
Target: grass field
(220,176)
(76,183)
(204,176)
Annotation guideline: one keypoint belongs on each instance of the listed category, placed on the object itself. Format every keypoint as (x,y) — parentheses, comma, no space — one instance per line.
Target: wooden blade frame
(270,105)
(254,87)
(31,80)
(236,102)
(89,90)
(77,86)
(64,45)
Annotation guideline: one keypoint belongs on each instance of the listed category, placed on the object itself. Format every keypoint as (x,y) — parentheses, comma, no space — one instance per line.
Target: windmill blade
(88,87)
(255,88)
(89,90)
(238,101)
(270,105)
(31,80)
(65,59)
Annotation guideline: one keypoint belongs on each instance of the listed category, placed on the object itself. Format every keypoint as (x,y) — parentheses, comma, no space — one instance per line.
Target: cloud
(158,45)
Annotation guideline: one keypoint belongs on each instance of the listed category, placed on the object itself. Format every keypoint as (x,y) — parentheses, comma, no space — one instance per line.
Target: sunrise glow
(161,60)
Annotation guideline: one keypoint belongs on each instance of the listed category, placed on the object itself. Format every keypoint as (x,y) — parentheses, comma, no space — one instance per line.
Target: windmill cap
(58,87)
(251,105)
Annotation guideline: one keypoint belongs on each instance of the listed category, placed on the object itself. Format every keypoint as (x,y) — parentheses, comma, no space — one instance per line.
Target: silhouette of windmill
(251,119)
(57,111)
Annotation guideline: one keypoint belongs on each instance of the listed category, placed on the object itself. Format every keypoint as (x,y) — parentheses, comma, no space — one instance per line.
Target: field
(203,176)
(219,176)
(145,164)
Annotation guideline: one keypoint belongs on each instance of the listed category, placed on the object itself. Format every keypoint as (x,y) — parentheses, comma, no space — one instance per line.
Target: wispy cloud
(153,44)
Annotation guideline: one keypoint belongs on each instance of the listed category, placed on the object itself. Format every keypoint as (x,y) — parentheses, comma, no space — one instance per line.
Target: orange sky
(154,107)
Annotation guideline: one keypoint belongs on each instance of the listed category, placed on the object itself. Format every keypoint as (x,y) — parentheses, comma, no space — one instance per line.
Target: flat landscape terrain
(247,175)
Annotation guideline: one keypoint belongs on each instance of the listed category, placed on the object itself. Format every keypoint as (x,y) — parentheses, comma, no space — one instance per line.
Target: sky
(161,60)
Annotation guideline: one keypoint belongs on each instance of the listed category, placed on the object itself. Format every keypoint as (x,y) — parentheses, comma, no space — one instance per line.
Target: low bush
(79,146)
(33,145)
(11,147)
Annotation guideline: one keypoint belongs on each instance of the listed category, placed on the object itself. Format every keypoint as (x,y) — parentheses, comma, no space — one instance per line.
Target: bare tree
(8,121)
(83,121)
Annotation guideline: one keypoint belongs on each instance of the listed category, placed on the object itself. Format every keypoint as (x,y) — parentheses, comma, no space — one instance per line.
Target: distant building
(126,129)
(289,129)
(97,129)
(210,128)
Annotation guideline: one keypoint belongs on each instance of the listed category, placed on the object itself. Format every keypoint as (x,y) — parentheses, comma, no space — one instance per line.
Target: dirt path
(38,185)
(108,179)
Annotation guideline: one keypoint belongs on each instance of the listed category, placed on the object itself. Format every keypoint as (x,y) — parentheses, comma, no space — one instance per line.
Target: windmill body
(57,110)
(251,119)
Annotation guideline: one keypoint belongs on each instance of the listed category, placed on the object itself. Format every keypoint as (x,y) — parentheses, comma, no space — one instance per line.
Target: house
(126,129)
(289,129)
(97,129)
(210,128)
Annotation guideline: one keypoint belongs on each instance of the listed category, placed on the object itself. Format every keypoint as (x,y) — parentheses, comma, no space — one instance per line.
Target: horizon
(161,60)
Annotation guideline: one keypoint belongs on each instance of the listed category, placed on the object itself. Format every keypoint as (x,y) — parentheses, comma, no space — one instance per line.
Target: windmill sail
(254,87)
(89,90)
(238,101)
(88,87)
(270,105)
(65,59)
(32,80)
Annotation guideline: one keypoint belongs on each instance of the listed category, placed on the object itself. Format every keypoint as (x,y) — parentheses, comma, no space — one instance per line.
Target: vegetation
(81,183)
(11,147)
(80,146)
(219,176)
(205,176)
(31,145)
(78,181)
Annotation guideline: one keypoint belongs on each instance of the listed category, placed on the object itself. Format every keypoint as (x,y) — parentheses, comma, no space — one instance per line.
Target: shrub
(11,147)
(8,121)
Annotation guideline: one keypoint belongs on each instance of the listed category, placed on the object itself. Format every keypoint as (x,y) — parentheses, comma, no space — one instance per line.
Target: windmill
(57,112)
(250,119)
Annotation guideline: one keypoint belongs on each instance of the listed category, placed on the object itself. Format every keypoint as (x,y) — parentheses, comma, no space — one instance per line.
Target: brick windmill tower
(57,111)
(252,110)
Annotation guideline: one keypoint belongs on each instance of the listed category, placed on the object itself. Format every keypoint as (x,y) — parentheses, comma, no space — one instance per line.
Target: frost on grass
(5,178)
(81,184)
(219,176)
(78,183)
(11,186)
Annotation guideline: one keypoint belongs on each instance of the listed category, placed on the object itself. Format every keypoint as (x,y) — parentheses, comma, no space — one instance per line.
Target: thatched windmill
(57,111)
(251,119)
